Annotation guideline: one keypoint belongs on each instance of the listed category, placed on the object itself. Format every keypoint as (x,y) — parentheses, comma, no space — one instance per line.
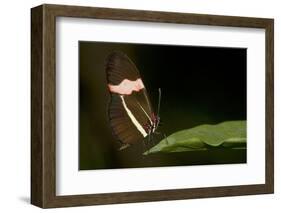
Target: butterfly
(131,115)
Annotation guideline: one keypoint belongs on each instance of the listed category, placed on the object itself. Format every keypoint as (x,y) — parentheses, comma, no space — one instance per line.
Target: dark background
(200,85)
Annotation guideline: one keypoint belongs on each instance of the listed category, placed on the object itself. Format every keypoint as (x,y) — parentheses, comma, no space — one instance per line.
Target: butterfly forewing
(120,67)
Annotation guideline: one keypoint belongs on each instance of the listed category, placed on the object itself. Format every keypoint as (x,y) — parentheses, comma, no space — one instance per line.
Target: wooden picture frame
(43,102)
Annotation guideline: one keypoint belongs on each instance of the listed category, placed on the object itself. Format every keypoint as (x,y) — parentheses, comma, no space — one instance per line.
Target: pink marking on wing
(126,87)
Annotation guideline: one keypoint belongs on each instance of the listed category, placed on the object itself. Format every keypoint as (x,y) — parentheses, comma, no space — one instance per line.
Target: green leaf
(229,134)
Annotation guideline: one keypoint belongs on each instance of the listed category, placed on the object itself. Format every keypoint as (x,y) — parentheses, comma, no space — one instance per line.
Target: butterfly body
(131,115)
(152,124)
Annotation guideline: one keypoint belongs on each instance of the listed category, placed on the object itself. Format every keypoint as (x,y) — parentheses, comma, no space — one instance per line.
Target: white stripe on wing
(132,117)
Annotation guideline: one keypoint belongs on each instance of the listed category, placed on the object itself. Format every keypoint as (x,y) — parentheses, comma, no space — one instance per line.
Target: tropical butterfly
(131,115)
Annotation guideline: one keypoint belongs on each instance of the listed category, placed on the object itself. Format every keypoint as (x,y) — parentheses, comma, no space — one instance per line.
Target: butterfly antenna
(159,101)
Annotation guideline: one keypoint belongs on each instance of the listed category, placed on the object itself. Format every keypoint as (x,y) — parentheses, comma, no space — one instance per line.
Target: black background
(200,85)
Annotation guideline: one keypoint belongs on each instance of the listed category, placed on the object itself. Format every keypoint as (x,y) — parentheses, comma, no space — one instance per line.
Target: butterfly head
(152,124)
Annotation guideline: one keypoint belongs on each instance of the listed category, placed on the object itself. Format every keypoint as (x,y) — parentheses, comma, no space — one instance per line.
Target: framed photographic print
(135,106)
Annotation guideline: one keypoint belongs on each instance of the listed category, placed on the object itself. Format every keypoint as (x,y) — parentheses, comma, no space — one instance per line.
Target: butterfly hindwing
(121,123)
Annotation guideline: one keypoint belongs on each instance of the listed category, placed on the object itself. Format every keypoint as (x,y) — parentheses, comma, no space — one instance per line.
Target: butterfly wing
(129,108)
(119,67)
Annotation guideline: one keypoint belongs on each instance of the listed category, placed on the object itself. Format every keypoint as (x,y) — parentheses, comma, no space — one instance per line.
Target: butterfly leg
(144,143)
(166,139)
(163,135)
(152,140)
